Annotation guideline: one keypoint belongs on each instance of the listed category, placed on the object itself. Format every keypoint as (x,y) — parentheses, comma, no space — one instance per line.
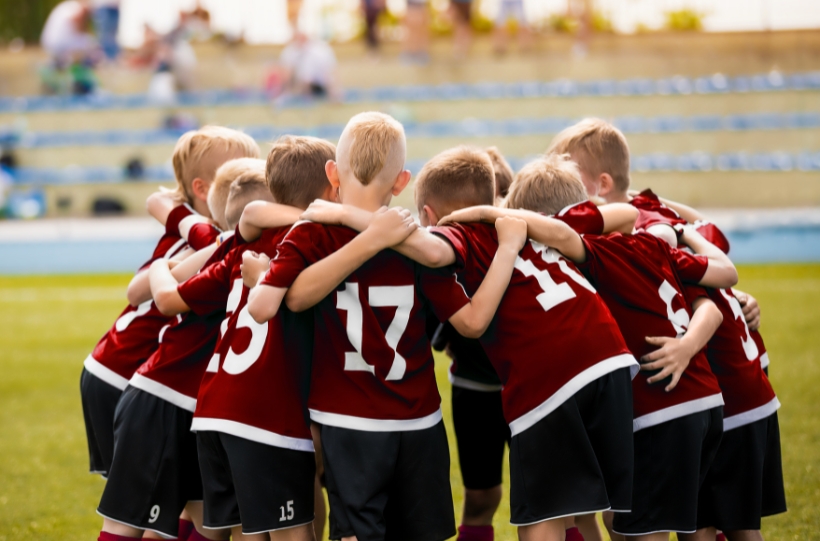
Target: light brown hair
(503,172)
(295,169)
(233,179)
(456,178)
(547,185)
(199,153)
(375,147)
(598,147)
(247,188)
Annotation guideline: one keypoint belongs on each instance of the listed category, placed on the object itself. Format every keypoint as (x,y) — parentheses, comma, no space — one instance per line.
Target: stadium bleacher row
(659,161)
(471,127)
(679,85)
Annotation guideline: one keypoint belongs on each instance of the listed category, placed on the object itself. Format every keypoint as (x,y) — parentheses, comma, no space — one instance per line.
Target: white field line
(62,294)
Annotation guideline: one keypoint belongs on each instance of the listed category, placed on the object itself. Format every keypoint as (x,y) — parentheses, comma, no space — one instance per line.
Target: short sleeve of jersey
(174,217)
(713,234)
(584,218)
(456,236)
(690,267)
(596,250)
(693,293)
(207,292)
(445,294)
(291,258)
(202,235)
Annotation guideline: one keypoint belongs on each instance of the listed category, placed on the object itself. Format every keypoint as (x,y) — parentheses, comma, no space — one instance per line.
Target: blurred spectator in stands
(372,10)
(416,33)
(511,10)
(72,49)
(106,24)
(460,11)
(309,68)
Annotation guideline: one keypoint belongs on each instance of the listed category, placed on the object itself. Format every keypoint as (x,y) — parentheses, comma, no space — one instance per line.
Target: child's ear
(200,189)
(401,182)
(332,172)
(432,217)
(607,184)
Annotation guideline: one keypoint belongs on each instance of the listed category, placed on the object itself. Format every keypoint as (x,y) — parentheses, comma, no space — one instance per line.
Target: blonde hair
(295,169)
(503,172)
(227,174)
(598,147)
(547,185)
(374,144)
(199,153)
(456,178)
(249,186)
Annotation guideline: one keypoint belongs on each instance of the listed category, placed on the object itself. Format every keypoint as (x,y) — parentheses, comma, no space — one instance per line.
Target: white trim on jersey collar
(95,367)
(464,383)
(751,416)
(764,360)
(571,387)
(375,425)
(252,433)
(677,411)
(164,392)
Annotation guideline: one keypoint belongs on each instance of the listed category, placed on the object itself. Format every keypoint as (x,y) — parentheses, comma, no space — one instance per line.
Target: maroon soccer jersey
(641,279)
(735,360)
(652,212)
(372,362)
(136,333)
(175,369)
(552,333)
(256,384)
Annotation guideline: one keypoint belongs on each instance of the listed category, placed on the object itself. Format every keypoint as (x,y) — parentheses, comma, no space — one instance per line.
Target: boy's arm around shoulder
(164,289)
(472,320)
(619,217)
(721,272)
(259,215)
(139,289)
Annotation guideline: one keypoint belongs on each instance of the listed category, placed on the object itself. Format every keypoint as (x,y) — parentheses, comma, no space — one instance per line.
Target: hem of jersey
(675,412)
(539,521)
(375,425)
(164,392)
(100,371)
(163,534)
(650,533)
(252,433)
(464,383)
(279,529)
(764,360)
(751,416)
(571,387)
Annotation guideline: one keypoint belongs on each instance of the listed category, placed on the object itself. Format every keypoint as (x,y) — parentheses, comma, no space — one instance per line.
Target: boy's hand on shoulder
(324,212)
(672,358)
(482,213)
(512,232)
(253,266)
(390,227)
(751,310)
(160,204)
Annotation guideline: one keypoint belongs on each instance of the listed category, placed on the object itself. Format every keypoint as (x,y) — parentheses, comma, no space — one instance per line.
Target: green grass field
(49,324)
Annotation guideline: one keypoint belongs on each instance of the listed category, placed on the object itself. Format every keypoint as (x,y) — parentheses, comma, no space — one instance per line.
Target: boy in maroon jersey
(541,399)
(677,425)
(373,387)
(745,481)
(154,469)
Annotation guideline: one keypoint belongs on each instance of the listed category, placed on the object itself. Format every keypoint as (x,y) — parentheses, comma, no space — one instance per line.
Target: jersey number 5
(402,297)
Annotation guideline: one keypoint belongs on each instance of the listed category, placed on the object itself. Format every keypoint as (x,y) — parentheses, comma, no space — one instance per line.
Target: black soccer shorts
(262,487)
(671,462)
(99,403)
(481,434)
(745,481)
(389,486)
(155,470)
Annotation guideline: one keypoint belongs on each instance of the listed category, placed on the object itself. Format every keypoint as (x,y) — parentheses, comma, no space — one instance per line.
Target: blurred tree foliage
(24,18)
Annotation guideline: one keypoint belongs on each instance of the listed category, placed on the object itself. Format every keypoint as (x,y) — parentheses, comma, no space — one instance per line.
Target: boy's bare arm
(387,228)
(259,215)
(619,217)
(264,301)
(164,289)
(160,204)
(721,272)
(188,222)
(674,354)
(139,289)
(421,246)
(474,318)
(686,212)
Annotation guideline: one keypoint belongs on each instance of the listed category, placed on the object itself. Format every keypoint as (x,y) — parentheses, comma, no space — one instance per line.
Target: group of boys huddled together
(280,339)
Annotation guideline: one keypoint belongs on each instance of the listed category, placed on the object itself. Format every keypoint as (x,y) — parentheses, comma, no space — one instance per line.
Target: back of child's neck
(364,199)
